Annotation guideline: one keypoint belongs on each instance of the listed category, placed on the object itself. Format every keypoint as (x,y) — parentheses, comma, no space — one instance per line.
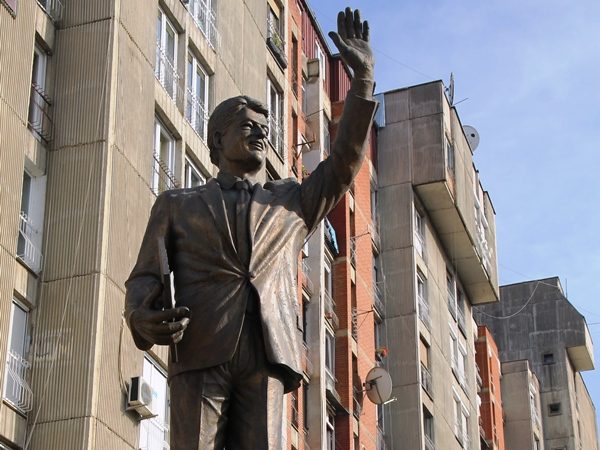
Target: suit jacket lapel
(213,198)
(259,206)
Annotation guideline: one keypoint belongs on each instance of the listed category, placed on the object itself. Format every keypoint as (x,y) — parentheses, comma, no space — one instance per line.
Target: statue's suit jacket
(210,278)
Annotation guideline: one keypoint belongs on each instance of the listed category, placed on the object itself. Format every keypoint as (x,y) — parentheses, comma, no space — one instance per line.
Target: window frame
(160,130)
(196,111)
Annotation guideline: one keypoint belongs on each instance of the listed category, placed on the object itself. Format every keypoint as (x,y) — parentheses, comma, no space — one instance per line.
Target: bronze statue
(233,245)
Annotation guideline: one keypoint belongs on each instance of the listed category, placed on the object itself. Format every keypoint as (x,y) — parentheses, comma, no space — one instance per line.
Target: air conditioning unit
(139,398)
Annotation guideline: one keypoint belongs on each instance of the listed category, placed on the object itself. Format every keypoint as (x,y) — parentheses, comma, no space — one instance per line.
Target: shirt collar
(227,181)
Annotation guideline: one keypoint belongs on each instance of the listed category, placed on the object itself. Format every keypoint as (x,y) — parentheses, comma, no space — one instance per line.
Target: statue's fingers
(349,18)
(338,41)
(358,26)
(365,31)
(177,337)
(341,22)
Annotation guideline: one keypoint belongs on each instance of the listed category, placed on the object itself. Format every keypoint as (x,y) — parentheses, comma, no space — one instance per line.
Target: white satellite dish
(378,385)
(472,136)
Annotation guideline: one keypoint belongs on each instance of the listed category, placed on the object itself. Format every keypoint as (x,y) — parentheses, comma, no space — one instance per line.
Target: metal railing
(374,232)
(353,250)
(356,406)
(378,298)
(274,35)
(354,326)
(196,114)
(452,305)
(381,444)
(295,83)
(17,391)
(330,309)
(426,380)
(163,177)
(205,19)
(39,120)
(460,318)
(424,313)
(28,250)
(306,281)
(429,444)
(54,8)
(166,73)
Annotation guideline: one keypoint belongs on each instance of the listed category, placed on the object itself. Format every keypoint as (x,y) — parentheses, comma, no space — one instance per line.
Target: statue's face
(244,144)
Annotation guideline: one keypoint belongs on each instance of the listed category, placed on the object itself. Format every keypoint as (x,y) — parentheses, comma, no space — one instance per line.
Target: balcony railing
(378,298)
(381,445)
(276,135)
(306,281)
(205,19)
(330,309)
(374,232)
(163,177)
(429,444)
(426,380)
(353,250)
(167,74)
(28,245)
(356,406)
(424,313)
(276,42)
(40,121)
(17,390)
(54,8)
(295,83)
(354,330)
(459,373)
(196,114)
(460,318)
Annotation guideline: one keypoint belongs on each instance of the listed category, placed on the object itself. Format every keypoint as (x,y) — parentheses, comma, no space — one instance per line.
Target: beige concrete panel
(587,415)
(12,425)
(403,422)
(130,203)
(16,56)
(25,283)
(395,227)
(106,438)
(63,352)
(85,12)
(426,99)
(399,271)
(232,23)
(83,56)
(71,433)
(397,106)
(138,20)
(73,205)
(117,363)
(12,138)
(402,341)
(257,57)
(427,149)
(394,157)
(45,27)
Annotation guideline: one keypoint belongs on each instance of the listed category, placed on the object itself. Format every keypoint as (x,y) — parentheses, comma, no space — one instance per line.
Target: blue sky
(531,73)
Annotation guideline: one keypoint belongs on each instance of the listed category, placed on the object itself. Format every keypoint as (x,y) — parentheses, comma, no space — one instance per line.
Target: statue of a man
(233,246)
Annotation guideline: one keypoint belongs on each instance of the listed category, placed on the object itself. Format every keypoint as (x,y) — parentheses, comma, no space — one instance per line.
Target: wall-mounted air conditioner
(139,398)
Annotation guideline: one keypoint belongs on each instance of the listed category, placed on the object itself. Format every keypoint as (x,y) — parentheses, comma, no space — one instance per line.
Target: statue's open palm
(352,40)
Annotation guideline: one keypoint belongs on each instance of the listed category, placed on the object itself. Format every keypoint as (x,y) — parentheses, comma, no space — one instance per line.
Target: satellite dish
(378,385)
(450,90)
(472,136)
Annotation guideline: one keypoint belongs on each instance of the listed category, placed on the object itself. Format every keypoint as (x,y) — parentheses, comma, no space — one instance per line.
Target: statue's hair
(224,114)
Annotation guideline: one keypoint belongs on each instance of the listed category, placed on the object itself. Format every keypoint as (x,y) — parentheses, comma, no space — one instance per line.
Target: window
(275,103)
(451,288)
(554,409)
(305,304)
(419,232)
(193,176)
(39,103)
(548,358)
(326,138)
(29,243)
(428,429)
(320,55)
(330,352)
(460,310)
(461,422)
(304,98)
(295,67)
(305,405)
(166,55)
(275,30)
(196,109)
(294,404)
(426,381)
(330,430)
(422,300)
(203,13)
(327,277)
(16,389)
(450,158)
(154,432)
(163,177)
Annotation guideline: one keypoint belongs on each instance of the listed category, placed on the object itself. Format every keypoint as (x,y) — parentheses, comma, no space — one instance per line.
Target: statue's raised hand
(352,40)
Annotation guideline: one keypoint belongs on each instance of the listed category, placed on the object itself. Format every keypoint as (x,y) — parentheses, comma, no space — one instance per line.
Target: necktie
(241,220)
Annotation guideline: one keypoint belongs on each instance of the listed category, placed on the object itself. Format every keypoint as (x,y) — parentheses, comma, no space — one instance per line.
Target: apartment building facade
(438,257)
(489,377)
(536,322)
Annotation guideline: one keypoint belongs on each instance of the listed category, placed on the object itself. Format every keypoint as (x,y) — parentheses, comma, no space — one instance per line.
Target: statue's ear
(217,139)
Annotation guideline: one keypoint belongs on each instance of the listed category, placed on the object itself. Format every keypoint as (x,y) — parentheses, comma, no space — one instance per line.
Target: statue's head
(238,132)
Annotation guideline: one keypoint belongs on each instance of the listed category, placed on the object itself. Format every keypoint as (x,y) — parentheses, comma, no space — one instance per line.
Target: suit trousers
(235,406)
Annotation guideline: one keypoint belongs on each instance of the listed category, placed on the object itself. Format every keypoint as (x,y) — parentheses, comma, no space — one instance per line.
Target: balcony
(29,244)
(166,73)
(429,444)
(356,402)
(378,298)
(353,250)
(276,42)
(330,314)
(424,313)
(39,120)
(54,9)
(203,13)
(307,283)
(354,330)
(426,380)
(196,114)
(17,391)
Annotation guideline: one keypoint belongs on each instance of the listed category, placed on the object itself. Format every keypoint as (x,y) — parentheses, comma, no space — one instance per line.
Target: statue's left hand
(352,40)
